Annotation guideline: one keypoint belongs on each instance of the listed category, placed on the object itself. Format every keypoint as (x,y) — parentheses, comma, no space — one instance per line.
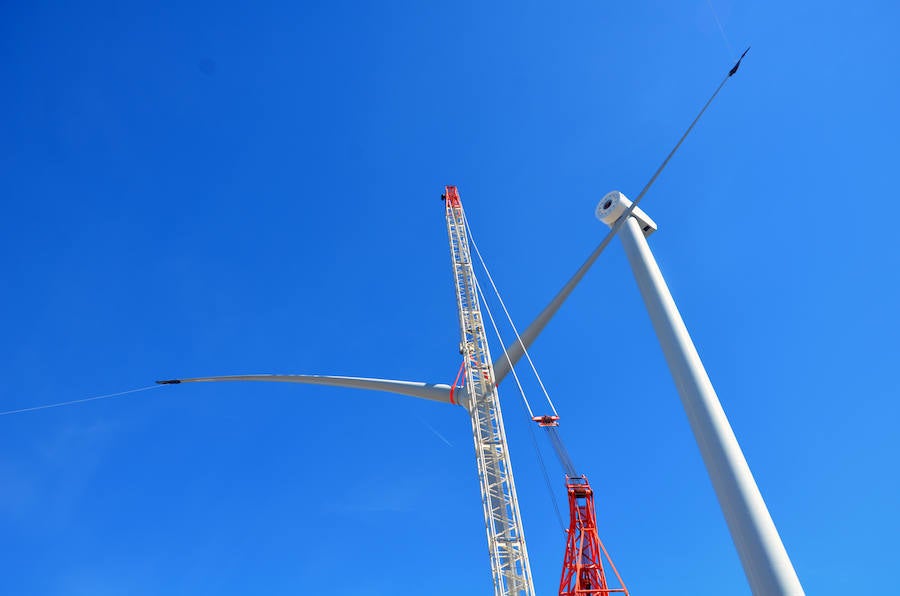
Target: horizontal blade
(430,391)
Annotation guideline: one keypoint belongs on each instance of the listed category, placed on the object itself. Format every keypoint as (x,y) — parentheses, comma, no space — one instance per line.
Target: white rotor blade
(430,391)
(516,350)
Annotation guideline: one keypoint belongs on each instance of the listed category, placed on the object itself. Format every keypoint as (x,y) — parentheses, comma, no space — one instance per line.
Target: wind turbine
(763,556)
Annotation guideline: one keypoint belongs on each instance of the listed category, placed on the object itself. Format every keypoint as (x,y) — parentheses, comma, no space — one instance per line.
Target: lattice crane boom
(503,522)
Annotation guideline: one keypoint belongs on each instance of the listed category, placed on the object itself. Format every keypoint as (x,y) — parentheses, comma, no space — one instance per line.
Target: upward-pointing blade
(504,363)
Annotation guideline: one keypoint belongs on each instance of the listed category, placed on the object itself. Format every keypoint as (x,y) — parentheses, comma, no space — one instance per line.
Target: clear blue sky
(218,189)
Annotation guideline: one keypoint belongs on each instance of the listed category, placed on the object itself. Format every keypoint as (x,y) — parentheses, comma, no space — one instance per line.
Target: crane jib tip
(169,382)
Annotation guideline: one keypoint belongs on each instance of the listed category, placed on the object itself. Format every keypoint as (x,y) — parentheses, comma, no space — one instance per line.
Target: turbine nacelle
(614,204)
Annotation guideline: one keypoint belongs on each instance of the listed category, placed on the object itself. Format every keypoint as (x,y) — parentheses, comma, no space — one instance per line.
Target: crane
(510,569)
(506,539)
(583,572)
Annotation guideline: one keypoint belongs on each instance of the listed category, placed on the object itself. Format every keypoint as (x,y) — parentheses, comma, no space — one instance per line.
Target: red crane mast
(583,571)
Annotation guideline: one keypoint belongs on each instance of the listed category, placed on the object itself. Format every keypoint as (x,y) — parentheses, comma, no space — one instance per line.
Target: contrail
(721,28)
(437,434)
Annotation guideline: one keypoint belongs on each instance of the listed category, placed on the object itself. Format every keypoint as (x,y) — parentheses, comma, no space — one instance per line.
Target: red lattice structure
(582,573)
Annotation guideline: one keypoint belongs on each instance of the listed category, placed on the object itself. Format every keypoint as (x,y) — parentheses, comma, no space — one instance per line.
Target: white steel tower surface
(763,556)
(506,541)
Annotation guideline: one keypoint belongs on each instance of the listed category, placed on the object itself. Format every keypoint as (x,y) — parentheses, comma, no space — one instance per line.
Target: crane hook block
(545,421)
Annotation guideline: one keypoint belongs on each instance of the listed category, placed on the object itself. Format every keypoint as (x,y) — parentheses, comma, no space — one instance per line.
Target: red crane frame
(582,573)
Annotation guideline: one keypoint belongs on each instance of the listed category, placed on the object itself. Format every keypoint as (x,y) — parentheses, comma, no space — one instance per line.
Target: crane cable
(551,425)
(556,441)
(509,318)
(529,413)
(77,401)
(487,308)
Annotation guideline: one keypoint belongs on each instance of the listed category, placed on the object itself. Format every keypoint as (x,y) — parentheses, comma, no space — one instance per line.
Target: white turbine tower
(763,556)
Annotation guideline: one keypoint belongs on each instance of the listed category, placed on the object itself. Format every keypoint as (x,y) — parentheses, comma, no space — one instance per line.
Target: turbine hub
(612,206)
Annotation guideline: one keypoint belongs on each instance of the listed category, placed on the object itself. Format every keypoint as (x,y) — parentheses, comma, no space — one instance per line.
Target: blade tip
(737,64)
(169,382)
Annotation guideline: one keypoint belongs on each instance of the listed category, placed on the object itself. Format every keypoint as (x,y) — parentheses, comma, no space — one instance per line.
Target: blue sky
(223,189)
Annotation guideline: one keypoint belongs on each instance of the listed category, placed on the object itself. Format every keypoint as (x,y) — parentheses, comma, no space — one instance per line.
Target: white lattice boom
(506,541)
